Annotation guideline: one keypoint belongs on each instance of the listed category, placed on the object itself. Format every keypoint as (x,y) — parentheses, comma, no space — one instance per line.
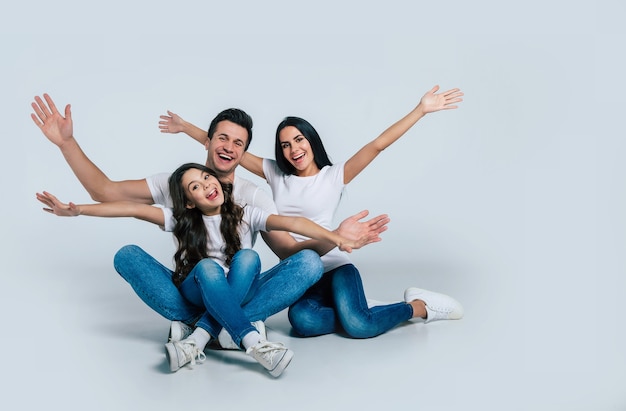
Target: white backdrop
(514,202)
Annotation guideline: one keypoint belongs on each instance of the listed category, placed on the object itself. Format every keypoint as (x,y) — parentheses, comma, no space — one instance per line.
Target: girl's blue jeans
(269,292)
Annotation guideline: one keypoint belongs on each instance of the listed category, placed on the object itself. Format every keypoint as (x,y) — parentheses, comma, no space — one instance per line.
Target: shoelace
(268,349)
(191,351)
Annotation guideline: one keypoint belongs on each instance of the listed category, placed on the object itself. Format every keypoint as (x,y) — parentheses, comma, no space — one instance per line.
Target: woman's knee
(308,321)
(301,320)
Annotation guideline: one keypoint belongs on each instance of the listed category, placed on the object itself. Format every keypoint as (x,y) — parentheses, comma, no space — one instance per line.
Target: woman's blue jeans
(270,292)
(337,303)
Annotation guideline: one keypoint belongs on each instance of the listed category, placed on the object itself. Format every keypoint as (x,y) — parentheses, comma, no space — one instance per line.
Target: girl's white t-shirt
(245,193)
(254,220)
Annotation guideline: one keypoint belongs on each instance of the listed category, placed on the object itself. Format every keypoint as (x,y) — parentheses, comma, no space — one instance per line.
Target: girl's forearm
(306,227)
(110,209)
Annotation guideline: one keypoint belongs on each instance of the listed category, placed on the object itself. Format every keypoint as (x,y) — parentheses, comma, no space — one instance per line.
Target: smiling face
(203,191)
(297,151)
(226,148)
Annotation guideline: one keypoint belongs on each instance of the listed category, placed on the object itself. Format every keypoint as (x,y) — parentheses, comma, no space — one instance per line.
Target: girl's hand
(349,245)
(432,102)
(54,206)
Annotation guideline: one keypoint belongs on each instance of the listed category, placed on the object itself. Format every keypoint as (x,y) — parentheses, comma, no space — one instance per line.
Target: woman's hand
(432,102)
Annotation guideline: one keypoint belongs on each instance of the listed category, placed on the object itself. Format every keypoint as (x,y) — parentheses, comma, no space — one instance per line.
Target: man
(229,136)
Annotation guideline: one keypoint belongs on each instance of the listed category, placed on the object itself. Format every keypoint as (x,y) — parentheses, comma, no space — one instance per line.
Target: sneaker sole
(170,353)
(282,364)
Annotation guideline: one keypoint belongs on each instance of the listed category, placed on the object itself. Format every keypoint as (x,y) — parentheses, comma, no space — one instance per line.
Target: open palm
(53,125)
(431,101)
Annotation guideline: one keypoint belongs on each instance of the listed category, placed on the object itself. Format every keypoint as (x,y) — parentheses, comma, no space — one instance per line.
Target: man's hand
(53,125)
(352,229)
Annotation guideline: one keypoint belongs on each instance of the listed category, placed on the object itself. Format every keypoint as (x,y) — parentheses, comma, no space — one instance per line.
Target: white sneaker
(227,343)
(275,357)
(438,306)
(179,353)
(179,331)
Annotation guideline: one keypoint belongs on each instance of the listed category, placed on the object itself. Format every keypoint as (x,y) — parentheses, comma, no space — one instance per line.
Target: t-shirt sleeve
(263,200)
(270,169)
(159,189)
(168,218)
(257,218)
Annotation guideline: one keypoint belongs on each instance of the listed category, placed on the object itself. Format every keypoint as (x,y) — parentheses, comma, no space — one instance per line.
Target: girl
(300,176)
(214,239)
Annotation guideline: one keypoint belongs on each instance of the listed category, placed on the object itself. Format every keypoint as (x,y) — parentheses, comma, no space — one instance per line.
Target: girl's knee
(248,257)
(207,269)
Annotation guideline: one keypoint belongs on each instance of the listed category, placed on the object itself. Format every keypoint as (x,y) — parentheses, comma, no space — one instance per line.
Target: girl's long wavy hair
(190,230)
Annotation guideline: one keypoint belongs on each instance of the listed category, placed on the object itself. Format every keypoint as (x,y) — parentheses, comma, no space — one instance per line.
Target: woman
(214,238)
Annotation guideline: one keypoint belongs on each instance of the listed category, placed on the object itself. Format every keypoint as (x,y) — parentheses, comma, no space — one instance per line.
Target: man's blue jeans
(270,292)
(337,303)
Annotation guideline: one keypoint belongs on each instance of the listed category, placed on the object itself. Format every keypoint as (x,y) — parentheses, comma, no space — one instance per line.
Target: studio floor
(89,343)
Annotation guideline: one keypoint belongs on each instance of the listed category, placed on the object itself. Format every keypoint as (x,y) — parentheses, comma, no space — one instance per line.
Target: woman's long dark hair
(308,131)
(190,230)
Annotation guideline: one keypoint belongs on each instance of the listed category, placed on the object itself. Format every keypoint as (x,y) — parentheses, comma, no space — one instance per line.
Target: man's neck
(227,178)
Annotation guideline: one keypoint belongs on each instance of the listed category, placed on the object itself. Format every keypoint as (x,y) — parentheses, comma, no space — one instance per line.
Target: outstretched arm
(59,130)
(173,123)
(140,211)
(352,228)
(429,103)
(306,227)
(253,164)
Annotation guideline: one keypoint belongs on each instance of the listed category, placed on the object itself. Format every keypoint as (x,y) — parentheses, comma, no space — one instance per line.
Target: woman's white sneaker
(438,306)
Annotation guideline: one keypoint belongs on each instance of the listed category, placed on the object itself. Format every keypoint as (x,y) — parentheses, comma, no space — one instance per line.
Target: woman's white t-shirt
(315,197)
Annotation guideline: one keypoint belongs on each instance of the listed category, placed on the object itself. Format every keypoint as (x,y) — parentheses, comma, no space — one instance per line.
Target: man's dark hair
(236,116)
